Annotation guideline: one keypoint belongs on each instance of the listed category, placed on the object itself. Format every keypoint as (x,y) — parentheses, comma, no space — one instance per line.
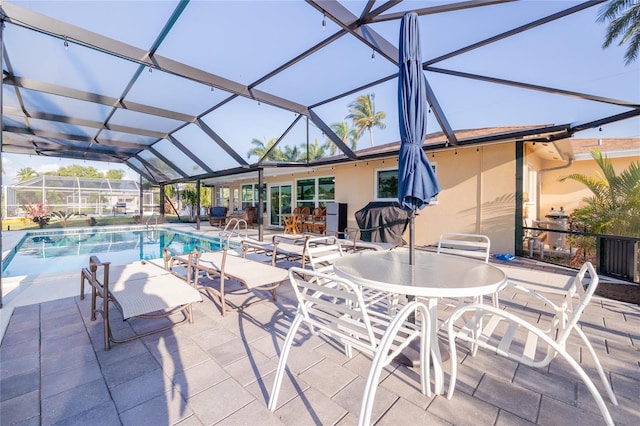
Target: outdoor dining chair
(508,335)
(290,224)
(335,307)
(315,222)
(322,252)
(469,245)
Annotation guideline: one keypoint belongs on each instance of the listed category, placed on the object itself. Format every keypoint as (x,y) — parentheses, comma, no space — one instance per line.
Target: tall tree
(116,174)
(363,113)
(77,171)
(623,17)
(291,153)
(260,148)
(314,151)
(614,207)
(26,174)
(347,134)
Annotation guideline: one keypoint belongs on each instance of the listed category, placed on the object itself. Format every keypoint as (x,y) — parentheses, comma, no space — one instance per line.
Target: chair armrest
(535,294)
(94,264)
(248,247)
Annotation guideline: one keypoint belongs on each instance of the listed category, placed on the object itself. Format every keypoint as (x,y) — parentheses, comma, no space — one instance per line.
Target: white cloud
(8,170)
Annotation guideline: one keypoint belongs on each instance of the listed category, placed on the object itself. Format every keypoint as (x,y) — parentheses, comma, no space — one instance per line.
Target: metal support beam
(142,172)
(213,135)
(189,154)
(260,204)
(334,138)
(1,141)
(141,201)
(519,213)
(198,204)
(161,206)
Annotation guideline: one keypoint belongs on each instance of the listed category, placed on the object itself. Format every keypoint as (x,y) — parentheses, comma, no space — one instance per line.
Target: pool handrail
(151,217)
(225,234)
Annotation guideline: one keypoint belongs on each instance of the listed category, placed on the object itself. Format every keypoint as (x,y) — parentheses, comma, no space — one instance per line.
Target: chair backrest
(333,306)
(218,211)
(576,300)
(469,245)
(322,252)
(305,211)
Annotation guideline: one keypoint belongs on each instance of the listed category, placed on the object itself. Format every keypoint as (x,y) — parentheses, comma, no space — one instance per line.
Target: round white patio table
(433,276)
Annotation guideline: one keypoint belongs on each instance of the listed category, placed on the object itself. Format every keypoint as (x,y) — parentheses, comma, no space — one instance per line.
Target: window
(315,192)
(386,187)
(222,196)
(250,195)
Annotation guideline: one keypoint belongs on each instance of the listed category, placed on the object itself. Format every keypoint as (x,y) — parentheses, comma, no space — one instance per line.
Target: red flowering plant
(39,213)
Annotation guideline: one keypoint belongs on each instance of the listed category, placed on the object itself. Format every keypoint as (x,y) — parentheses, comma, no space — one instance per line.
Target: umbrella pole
(412,241)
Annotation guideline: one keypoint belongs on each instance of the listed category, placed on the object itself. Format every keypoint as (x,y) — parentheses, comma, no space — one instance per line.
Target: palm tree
(260,148)
(314,151)
(363,113)
(614,207)
(290,154)
(26,174)
(348,135)
(623,17)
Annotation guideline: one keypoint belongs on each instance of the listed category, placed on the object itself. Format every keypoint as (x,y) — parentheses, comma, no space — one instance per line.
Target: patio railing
(614,255)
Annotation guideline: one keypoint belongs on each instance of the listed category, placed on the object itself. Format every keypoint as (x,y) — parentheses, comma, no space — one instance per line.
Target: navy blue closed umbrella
(417,182)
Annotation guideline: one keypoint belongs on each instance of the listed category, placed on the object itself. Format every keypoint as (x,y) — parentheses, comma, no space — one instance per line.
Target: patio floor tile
(219,401)
(21,408)
(74,401)
(220,370)
(168,408)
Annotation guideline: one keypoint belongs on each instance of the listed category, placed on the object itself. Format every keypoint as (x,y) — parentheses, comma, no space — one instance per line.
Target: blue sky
(562,54)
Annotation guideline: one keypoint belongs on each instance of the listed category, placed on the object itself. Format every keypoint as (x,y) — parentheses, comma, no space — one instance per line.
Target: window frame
(316,201)
(376,189)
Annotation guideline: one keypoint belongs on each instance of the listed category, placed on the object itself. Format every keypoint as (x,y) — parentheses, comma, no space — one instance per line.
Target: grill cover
(382,221)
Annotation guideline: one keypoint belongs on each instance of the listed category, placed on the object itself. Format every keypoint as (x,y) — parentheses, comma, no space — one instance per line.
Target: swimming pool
(64,251)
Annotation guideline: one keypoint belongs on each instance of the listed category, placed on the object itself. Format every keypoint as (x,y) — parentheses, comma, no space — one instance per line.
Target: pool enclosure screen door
(280,200)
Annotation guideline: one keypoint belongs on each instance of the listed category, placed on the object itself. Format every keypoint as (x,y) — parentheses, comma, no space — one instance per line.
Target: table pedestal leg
(410,356)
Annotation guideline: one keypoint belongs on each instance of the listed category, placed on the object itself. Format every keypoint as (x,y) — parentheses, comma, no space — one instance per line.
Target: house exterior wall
(478,189)
(478,192)
(569,194)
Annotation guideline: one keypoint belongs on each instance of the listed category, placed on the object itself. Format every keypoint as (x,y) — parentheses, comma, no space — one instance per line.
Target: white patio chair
(512,337)
(322,252)
(335,307)
(468,245)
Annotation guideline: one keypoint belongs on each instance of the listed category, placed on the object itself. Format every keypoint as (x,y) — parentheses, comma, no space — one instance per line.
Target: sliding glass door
(279,203)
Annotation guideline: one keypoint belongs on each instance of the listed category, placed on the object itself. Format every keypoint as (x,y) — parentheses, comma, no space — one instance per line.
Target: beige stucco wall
(569,194)
(478,193)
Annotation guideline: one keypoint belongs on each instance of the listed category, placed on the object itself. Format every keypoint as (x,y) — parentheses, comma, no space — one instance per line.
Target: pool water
(65,251)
